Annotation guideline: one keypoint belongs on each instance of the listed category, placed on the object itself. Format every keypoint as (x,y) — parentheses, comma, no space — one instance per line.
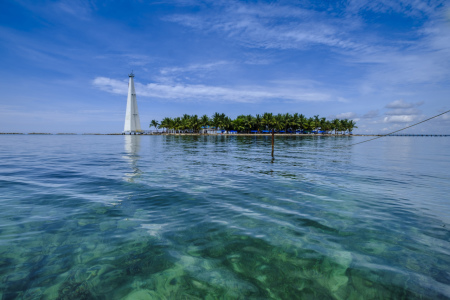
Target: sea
(219,217)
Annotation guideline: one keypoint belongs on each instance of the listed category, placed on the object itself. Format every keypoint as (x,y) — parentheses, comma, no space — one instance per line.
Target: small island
(248,124)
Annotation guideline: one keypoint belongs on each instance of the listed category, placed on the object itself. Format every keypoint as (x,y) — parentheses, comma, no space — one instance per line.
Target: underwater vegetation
(173,219)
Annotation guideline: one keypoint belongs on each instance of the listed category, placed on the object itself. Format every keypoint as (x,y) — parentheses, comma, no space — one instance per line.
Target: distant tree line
(248,123)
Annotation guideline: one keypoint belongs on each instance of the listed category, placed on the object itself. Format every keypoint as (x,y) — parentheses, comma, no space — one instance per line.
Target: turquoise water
(193,217)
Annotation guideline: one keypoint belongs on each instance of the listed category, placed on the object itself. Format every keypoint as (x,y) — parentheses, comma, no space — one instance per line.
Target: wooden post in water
(273,139)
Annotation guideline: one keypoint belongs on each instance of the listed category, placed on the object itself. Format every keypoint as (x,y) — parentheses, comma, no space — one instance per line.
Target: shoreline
(228,134)
(191,134)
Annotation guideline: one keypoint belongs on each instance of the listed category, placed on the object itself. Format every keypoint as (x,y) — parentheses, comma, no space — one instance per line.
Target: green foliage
(154,123)
(247,123)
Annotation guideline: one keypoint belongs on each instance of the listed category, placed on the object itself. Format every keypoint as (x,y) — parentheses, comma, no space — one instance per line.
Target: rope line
(401,129)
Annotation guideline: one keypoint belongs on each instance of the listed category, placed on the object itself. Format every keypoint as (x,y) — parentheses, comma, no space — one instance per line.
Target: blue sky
(64,64)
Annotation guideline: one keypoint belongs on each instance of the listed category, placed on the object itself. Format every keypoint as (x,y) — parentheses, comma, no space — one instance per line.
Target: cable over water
(383,135)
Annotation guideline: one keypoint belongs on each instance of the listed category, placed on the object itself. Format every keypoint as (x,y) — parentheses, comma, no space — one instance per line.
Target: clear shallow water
(185,217)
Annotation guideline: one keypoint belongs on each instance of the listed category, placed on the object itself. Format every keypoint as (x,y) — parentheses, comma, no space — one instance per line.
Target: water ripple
(213,216)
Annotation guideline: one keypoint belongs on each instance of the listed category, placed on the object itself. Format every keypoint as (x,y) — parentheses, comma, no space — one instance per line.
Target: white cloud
(111,85)
(445,116)
(347,115)
(399,119)
(398,104)
(402,111)
(199,92)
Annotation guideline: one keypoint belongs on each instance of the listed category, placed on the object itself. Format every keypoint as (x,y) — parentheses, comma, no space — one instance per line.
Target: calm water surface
(190,217)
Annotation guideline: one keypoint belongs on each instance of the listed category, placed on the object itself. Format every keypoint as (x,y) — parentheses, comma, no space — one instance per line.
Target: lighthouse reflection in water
(132,147)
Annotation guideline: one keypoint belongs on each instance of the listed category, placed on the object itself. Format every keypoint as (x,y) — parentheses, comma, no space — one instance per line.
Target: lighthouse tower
(132,121)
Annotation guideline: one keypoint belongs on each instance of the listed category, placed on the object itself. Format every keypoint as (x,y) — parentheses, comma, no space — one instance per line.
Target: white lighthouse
(132,121)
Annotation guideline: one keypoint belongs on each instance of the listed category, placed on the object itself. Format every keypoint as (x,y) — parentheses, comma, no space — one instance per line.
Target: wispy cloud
(402,111)
(409,68)
(60,9)
(193,67)
(132,59)
(199,92)
(401,104)
(79,9)
(58,115)
(409,7)
(271,26)
(347,115)
(420,56)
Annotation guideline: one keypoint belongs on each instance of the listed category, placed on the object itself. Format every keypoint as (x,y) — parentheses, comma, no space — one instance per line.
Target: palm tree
(336,125)
(204,121)
(316,123)
(165,123)
(238,124)
(341,126)
(344,125)
(295,122)
(268,121)
(350,125)
(279,122)
(185,122)
(258,122)
(248,122)
(177,124)
(287,120)
(154,123)
(194,123)
(227,124)
(301,121)
(216,120)
(325,125)
(322,124)
(222,120)
(309,124)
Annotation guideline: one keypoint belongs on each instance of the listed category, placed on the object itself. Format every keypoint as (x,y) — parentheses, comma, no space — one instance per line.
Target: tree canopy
(282,123)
